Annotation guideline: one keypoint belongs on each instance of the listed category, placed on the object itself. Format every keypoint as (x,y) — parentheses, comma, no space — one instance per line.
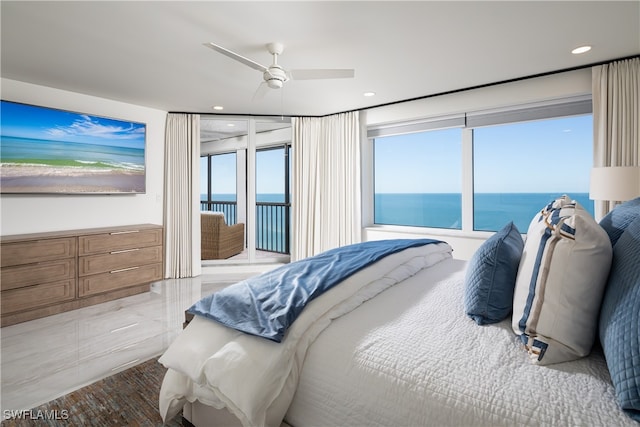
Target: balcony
(273,223)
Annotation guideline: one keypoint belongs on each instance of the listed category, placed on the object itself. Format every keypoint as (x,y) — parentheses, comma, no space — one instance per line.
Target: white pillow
(560,283)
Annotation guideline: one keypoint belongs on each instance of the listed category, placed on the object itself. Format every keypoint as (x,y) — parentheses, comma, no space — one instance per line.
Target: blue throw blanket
(268,304)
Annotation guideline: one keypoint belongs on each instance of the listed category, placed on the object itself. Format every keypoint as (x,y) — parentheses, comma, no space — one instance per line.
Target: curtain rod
(449,92)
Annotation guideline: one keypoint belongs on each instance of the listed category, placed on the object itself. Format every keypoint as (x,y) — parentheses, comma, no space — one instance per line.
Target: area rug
(128,398)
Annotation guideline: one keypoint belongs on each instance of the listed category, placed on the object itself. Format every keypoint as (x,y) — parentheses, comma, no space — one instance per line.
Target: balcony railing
(272,223)
(273,227)
(227,208)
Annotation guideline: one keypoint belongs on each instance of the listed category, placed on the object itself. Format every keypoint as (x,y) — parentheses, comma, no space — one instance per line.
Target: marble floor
(43,359)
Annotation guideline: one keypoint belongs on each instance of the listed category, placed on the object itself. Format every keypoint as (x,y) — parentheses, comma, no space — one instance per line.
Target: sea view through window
(218,193)
(492,210)
(508,171)
(518,168)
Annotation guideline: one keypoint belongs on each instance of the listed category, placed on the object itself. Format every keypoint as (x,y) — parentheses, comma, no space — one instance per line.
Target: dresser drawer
(119,240)
(16,300)
(32,251)
(117,260)
(33,274)
(118,279)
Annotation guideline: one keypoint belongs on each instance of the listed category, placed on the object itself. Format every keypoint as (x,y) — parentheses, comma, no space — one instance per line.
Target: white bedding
(411,357)
(255,378)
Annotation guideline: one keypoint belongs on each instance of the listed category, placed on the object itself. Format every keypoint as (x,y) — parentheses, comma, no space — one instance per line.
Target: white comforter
(411,357)
(256,378)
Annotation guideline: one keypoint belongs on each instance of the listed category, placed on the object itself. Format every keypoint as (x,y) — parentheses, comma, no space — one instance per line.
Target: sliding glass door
(244,172)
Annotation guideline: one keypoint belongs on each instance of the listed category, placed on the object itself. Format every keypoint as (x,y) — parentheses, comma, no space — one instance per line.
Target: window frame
(413,131)
(557,108)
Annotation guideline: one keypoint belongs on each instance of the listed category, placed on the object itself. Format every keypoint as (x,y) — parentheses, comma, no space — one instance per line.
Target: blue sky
(419,162)
(549,156)
(27,121)
(269,173)
(552,156)
(541,156)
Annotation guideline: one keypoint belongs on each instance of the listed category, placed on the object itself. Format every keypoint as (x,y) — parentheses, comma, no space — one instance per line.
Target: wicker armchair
(219,240)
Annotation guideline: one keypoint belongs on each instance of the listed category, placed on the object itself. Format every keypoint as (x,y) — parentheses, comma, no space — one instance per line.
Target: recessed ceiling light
(218,107)
(231,124)
(581,49)
(369,93)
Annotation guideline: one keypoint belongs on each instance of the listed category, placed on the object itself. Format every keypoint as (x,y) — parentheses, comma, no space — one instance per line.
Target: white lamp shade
(619,183)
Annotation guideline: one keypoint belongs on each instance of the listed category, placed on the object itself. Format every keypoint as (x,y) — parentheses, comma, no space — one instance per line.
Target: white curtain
(326,189)
(616,118)
(181,196)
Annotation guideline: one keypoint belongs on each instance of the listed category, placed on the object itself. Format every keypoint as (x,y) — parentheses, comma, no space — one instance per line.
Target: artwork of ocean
(32,165)
(63,154)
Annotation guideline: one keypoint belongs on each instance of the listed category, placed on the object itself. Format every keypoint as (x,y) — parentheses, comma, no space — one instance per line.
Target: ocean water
(491,210)
(66,154)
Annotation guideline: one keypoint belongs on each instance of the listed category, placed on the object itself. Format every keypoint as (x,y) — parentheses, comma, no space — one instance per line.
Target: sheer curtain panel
(616,118)
(326,189)
(181,196)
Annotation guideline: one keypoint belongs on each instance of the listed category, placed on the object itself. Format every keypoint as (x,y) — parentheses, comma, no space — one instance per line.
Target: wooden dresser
(47,273)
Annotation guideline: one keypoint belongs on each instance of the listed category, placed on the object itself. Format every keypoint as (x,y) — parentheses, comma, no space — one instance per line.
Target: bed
(401,350)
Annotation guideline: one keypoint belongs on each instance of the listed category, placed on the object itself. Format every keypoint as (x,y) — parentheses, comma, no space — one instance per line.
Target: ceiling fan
(274,75)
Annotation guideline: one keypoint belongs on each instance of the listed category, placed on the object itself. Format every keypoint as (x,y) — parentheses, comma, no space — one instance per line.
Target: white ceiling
(151,53)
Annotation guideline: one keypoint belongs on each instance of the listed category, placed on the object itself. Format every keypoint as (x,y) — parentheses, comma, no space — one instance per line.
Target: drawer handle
(124,232)
(124,269)
(124,251)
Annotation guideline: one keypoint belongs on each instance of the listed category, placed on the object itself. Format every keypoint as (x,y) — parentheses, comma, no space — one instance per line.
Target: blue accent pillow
(616,221)
(491,276)
(620,320)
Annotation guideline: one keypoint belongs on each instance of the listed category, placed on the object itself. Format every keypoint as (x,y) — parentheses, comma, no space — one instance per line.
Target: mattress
(412,357)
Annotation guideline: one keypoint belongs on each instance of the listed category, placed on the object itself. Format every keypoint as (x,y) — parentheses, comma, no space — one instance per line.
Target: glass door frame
(245,145)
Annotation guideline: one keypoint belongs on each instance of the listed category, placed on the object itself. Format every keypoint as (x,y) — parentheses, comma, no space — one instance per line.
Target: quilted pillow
(491,276)
(620,320)
(616,221)
(560,283)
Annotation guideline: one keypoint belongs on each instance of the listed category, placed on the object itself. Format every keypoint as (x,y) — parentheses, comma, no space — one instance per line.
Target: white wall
(27,214)
(530,91)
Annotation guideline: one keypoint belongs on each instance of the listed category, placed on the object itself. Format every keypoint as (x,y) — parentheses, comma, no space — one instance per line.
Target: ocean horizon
(492,211)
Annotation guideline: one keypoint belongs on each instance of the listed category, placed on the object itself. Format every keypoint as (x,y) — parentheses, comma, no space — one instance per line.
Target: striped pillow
(560,282)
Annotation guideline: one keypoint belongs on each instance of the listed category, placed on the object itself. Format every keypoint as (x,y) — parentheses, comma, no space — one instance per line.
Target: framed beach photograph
(47,151)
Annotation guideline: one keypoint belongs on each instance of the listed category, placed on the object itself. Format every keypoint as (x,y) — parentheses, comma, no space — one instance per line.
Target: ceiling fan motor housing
(275,77)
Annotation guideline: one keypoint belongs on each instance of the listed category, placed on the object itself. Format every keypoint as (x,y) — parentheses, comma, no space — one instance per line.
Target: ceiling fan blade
(322,74)
(239,58)
(262,90)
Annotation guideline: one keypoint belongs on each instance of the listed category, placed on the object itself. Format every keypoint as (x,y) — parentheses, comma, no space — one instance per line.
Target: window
(273,199)
(516,161)
(218,185)
(204,181)
(270,174)
(418,179)
(518,168)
